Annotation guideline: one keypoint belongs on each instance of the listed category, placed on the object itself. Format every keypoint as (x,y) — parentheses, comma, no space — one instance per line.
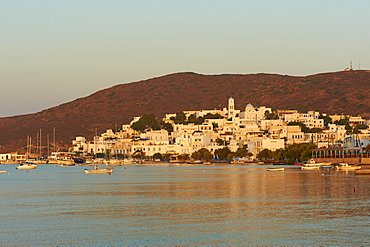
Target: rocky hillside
(337,92)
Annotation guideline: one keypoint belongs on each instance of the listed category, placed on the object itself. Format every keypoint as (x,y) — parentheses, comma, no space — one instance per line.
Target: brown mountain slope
(337,92)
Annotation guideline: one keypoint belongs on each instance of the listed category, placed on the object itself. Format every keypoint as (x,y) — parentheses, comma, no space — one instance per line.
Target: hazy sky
(54,51)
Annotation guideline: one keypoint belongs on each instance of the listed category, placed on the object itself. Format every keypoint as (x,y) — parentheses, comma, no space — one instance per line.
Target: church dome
(249,107)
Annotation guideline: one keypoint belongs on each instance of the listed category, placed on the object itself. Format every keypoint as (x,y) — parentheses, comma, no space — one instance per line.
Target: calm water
(183,205)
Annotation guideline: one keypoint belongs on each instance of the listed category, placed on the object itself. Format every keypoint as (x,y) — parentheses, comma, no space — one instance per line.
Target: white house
(257,145)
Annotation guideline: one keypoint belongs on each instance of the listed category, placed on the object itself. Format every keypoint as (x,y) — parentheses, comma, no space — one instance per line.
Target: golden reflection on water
(228,204)
(226,193)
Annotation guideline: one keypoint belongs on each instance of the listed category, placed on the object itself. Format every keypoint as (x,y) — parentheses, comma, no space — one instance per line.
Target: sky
(53,52)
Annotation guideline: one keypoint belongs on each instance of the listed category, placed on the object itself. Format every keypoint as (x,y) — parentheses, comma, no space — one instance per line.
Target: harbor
(183,204)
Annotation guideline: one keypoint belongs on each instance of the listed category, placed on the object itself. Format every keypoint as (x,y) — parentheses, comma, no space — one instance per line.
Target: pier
(335,155)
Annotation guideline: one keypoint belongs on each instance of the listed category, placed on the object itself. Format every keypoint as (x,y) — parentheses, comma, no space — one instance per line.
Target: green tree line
(291,154)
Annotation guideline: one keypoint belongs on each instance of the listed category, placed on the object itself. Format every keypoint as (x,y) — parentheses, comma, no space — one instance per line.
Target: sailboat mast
(40,145)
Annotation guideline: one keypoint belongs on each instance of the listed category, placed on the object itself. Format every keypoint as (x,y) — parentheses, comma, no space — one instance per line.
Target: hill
(334,93)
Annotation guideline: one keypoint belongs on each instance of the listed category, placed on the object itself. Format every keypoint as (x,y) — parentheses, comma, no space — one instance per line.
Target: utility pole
(47,140)
(54,138)
(40,145)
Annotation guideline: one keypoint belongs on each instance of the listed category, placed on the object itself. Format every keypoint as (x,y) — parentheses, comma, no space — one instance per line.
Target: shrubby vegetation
(145,122)
(221,153)
(292,153)
(327,119)
(182,119)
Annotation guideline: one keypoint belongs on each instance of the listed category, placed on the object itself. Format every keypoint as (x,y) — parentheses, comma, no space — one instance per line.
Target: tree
(208,155)
(168,127)
(192,119)
(270,115)
(108,153)
(265,154)
(196,155)
(180,118)
(358,127)
(221,142)
(116,128)
(241,152)
(183,157)
(326,118)
(157,156)
(278,154)
(212,116)
(202,151)
(145,122)
(230,156)
(138,125)
(299,151)
(222,153)
(345,121)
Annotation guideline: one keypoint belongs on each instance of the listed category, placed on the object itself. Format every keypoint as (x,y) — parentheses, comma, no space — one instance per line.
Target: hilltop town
(253,129)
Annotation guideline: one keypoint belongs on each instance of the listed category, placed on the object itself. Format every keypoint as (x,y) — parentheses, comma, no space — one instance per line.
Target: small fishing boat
(347,167)
(312,162)
(275,168)
(98,170)
(327,167)
(26,166)
(195,162)
(2,171)
(307,167)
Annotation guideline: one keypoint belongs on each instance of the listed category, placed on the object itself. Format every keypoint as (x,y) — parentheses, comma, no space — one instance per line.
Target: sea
(183,205)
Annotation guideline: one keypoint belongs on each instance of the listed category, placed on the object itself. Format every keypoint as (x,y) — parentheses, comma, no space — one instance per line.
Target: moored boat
(195,162)
(275,169)
(98,170)
(307,167)
(2,171)
(327,166)
(347,167)
(10,162)
(27,165)
(312,162)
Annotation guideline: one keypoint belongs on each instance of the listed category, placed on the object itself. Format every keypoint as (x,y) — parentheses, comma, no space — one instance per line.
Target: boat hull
(99,171)
(349,168)
(310,167)
(275,169)
(27,166)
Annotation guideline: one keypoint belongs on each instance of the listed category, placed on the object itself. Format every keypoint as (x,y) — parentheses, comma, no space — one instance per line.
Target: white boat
(98,170)
(346,167)
(312,162)
(310,167)
(27,165)
(313,165)
(195,162)
(275,169)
